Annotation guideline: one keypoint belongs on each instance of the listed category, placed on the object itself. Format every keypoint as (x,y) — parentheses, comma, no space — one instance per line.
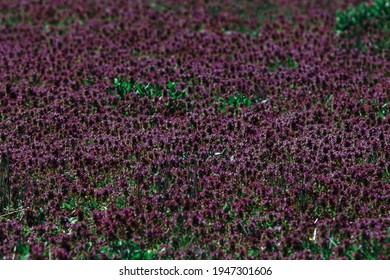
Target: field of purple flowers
(194,129)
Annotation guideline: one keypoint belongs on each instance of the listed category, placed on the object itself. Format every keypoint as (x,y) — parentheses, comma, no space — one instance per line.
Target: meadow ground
(194,129)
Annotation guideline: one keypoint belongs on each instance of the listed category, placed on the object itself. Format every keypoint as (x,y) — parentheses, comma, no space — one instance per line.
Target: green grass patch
(128,250)
(124,87)
(287,63)
(354,22)
(238,101)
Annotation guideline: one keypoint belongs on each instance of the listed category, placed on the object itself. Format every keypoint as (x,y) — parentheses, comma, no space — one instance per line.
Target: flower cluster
(191,130)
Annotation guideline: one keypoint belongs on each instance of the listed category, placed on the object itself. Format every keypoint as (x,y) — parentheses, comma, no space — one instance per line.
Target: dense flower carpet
(194,129)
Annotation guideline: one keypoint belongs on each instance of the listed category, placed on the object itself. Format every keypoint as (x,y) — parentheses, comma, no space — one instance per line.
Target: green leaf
(383,111)
(172,86)
(67,206)
(253,253)
(24,250)
(73,220)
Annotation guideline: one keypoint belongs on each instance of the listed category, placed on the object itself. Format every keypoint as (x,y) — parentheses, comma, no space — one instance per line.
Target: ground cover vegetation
(194,129)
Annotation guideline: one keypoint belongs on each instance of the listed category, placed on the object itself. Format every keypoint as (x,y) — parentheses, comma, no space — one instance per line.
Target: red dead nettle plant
(141,130)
